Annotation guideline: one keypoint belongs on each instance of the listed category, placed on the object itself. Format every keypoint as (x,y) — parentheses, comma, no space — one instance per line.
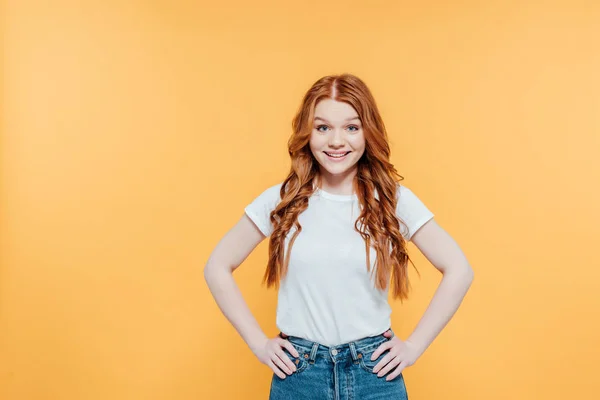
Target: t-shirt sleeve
(259,210)
(411,210)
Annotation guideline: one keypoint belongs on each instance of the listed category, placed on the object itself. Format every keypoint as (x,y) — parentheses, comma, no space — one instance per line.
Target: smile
(336,156)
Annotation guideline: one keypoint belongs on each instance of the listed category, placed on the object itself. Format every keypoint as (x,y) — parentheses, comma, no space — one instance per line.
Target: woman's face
(337,140)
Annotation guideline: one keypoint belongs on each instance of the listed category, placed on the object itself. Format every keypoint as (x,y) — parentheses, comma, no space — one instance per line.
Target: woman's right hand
(270,352)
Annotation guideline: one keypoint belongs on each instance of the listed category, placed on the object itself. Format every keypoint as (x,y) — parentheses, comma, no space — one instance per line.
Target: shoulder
(404,194)
(260,208)
(276,188)
(269,195)
(411,210)
(272,192)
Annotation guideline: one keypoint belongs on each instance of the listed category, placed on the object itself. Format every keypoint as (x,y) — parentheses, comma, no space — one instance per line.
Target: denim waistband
(344,349)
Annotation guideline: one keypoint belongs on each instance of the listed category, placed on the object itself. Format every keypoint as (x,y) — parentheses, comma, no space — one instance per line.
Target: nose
(335,139)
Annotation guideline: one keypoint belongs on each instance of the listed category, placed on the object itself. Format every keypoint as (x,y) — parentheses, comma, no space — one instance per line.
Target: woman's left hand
(401,354)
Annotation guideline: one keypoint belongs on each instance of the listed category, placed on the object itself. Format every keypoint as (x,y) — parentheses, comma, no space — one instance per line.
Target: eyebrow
(349,119)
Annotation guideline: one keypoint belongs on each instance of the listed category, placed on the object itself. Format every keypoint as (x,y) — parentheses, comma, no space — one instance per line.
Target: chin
(338,170)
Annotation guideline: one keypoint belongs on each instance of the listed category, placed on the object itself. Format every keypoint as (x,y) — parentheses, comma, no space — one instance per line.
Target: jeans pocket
(365,359)
(301,362)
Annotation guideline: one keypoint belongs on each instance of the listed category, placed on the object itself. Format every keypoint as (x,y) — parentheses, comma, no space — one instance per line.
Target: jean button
(334,352)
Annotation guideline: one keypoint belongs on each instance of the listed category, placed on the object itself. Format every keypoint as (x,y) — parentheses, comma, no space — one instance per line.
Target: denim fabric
(343,372)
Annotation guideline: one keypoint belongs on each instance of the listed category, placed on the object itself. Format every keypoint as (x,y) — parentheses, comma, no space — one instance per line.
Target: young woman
(338,227)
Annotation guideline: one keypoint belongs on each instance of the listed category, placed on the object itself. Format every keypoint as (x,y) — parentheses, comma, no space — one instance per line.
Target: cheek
(316,143)
(314,148)
(358,144)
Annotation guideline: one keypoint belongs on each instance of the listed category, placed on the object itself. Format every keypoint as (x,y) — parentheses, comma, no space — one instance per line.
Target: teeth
(336,155)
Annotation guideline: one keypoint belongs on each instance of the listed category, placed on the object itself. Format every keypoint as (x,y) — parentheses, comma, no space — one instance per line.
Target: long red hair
(377,223)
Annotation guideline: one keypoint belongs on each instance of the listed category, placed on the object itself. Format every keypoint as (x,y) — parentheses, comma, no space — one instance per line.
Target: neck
(337,184)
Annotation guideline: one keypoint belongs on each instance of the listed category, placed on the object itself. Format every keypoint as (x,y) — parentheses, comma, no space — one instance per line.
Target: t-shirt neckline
(336,197)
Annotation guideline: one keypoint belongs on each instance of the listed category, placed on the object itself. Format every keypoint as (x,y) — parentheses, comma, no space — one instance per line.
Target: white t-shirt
(328,296)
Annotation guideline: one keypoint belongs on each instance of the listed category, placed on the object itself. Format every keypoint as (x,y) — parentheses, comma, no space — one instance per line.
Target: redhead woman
(338,227)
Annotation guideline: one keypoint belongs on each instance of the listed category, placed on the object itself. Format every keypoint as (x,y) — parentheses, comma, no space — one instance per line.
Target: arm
(227,256)
(447,257)
(443,252)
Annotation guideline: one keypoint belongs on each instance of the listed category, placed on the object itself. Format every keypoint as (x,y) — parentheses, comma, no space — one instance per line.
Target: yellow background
(134,133)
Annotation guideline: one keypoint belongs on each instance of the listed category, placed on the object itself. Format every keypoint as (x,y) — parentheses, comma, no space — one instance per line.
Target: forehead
(335,111)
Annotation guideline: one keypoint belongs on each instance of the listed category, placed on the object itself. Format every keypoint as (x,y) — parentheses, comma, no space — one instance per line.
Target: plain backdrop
(134,133)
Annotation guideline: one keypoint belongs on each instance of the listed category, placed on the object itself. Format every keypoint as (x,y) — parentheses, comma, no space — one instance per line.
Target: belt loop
(313,352)
(353,351)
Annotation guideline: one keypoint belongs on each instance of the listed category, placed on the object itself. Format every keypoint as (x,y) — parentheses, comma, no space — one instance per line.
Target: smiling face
(337,142)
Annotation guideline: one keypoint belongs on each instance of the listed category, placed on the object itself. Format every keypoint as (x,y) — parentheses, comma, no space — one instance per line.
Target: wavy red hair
(377,223)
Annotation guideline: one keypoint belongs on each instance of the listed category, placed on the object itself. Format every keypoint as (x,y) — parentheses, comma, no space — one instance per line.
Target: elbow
(212,269)
(464,274)
(209,271)
(469,275)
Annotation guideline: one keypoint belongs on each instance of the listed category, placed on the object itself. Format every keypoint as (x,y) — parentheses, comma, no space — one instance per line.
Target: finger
(276,370)
(281,363)
(383,362)
(389,366)
(380,350)
(290,347)
(286,360)
(397,371)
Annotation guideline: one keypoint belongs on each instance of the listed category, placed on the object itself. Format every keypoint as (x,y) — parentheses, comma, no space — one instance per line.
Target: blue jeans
(343,372)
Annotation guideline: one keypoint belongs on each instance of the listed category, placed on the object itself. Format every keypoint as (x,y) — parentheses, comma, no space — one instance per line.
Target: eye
(355,128)
(320,126)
